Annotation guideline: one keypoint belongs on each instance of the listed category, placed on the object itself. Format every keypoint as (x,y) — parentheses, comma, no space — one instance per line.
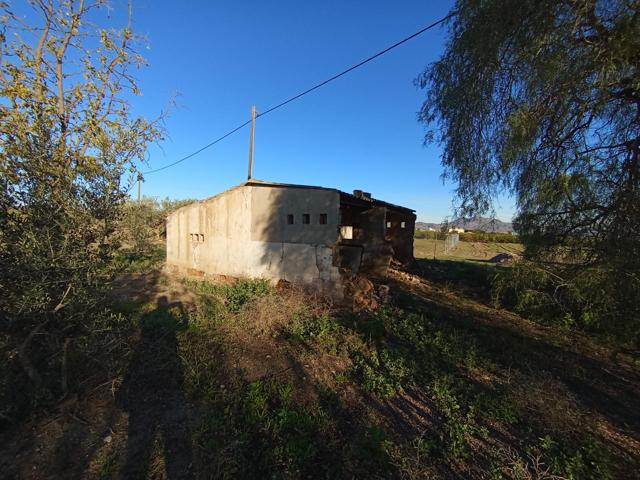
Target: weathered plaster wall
(246,234)
(399,232)
(271,206)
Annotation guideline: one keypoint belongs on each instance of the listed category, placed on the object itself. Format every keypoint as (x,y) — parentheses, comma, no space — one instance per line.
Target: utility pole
(139,185)
(253,127)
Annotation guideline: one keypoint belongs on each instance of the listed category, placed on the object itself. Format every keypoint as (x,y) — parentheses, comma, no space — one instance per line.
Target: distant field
(424,248)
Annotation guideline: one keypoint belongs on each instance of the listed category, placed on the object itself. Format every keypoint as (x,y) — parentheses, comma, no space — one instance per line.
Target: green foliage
(587,460)
(109,465)
(374,447)
(540,99)
(139,261)
(448,371)
(411,350)
(489,237)
(482,237)
(498,406)
(306,326)
(271,433)
(15,391)
(244,291)
(381,372)
(461,423)
(67,139)
(431,235)
(209,311)
(590,299)
(268,407)
(100,346)
(141,225)
(234,295)
(200,356)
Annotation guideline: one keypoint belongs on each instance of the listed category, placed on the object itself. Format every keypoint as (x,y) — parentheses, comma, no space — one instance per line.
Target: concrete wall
(399,232)
(272,205)
(244,233)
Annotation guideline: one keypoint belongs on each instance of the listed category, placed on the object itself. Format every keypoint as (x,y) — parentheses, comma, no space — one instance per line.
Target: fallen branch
(23,355)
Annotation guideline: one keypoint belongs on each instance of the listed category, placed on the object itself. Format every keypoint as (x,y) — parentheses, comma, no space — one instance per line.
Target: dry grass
(479,251)
(270,314)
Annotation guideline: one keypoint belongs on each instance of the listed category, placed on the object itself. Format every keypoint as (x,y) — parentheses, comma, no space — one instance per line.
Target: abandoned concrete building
(307,235)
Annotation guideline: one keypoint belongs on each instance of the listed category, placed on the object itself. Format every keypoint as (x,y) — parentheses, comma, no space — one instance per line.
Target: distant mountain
(427,226)
(478,223)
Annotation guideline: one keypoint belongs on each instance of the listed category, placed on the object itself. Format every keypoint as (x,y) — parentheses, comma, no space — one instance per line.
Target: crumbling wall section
(366,251)
(399,233)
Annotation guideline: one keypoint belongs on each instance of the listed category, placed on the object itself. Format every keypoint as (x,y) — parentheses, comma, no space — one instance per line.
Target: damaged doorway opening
(373,233)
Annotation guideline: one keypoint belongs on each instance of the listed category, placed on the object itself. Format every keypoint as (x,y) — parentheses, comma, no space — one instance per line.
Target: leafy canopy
(67,137)
(541,98)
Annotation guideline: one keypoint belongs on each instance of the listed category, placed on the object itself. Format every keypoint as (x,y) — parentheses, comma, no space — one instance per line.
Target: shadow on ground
(152,393)
(597,384)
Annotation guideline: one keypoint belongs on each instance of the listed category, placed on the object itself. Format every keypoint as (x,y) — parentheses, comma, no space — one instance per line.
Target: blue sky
(219,58)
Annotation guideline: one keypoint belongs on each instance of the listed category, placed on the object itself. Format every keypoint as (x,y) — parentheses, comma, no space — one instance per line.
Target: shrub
(478,236)
(244,291)
(141,225)
(64,168)
(372,447)
(489,237)
(209,311)
(593,299)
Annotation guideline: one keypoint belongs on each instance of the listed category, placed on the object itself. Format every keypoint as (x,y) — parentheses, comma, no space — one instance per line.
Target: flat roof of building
(344,195)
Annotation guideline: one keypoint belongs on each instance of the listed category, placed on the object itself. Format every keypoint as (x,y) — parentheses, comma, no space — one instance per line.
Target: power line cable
(309,90)
(350,69)
(211,144)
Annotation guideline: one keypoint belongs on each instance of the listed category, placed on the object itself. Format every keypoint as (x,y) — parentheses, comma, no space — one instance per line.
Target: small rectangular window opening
(322,219)
(403,224)
(290,219)
(388,224)
(202,237)
(306,218)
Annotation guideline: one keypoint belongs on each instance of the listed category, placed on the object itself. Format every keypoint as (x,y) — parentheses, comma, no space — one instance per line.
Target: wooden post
(253,127)
(139,185)
(435,243)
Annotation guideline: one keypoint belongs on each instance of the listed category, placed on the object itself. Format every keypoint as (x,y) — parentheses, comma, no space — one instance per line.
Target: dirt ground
(80,438)
(605,391)
(77,439)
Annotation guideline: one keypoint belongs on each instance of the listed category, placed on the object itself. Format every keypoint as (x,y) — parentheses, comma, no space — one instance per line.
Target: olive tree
(142,224)
(68,138)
